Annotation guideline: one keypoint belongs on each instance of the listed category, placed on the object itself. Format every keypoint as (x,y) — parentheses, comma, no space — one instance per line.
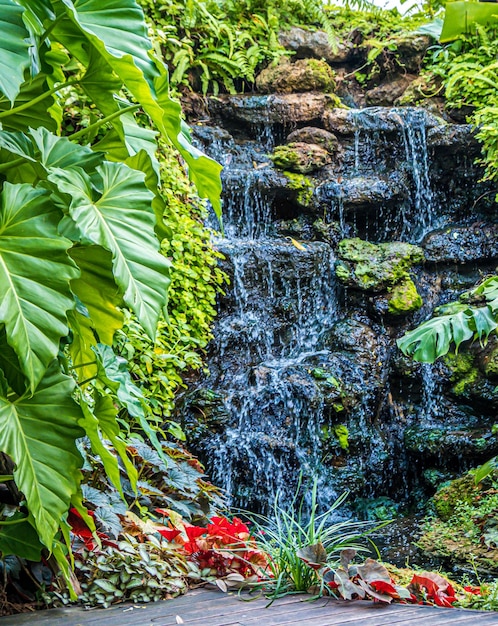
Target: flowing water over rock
(305,377)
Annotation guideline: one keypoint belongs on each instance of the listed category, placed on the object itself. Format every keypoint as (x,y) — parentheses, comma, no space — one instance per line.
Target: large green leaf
(460,17)
(148,83)
(14,49)
(120,219)
(20,538)
(97,290)
(34,106)
(117,25)
(433,338)
(35,271)
(39,434)
(41,150)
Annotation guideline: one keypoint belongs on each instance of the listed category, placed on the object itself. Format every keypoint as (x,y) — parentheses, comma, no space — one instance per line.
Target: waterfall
(297,361)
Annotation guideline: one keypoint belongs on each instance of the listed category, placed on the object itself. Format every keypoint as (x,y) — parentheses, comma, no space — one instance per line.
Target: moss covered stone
(464,371)
(446,499)
(299,157)
(378,267)
(404,298)
(302,185)
(300,76)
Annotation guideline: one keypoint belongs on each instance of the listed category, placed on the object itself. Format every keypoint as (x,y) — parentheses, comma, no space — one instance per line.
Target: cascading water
(301,373)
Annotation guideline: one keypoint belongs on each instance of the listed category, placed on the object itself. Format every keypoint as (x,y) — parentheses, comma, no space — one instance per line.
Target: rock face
(315,44)
(302,75)
(345,227)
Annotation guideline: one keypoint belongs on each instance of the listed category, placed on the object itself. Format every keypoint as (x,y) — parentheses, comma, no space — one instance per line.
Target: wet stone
(272,109)
(389,91)
(300,157)
(314,135)
(462,244)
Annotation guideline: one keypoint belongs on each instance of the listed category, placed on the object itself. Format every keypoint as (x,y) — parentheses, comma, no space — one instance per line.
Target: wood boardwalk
(203,607)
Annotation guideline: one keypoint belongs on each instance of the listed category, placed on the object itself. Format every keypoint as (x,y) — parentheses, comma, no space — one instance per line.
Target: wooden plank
(202,607)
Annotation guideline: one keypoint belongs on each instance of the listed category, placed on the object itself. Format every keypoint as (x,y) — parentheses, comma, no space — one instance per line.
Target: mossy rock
(464,371)
(318,136)
(304,187)
(404,298)
(301,76)
(490,363)
(463,489)
(378,267)
(299,157)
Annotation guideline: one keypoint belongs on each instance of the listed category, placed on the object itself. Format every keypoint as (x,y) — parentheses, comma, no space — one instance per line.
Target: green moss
(464,371)
(490,364)
(300,157)
(457,491)
(342,434)
(323,74)
(303,185)
(404,298)
(378,267)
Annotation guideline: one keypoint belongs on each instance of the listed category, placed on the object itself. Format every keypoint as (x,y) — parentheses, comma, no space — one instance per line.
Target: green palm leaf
(119,218)
(35,272)
(39,434)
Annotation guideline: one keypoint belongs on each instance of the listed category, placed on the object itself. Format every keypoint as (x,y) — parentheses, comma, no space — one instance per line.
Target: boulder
(300,76)
(364,192)
(389,90)
(318,136)
(462,244)
(300,157)
(375,267)
(314,44)
(273,109)
(453,138)
(376,119)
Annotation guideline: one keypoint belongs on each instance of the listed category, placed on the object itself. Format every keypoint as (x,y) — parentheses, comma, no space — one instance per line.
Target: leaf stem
(5,477)
(12,522)
(40,98)
(103,121)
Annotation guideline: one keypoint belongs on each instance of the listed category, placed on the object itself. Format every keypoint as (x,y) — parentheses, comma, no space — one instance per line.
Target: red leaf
(475,590)
(169,533)
(194,531)
(383,587)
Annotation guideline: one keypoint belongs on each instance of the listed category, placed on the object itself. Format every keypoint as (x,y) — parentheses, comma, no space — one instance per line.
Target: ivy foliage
(80,232)
(158,366)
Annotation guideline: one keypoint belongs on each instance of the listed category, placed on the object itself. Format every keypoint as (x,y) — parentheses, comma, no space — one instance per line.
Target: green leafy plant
(80,229)
(372,580)
(472,317)
(291,529)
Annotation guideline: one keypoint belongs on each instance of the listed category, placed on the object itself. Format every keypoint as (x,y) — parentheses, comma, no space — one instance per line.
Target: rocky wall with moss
(349,215)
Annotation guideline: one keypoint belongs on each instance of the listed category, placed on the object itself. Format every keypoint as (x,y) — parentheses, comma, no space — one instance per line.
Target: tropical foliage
(212,45)
(80,231)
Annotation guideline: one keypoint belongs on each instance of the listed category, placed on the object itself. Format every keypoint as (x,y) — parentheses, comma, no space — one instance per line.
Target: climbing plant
(80,226)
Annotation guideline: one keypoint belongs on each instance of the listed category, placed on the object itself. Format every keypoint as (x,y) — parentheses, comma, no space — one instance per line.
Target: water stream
(296,358)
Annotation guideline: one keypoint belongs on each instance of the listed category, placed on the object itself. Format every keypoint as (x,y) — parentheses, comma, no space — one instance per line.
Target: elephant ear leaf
(121,220)
(35,272)
(39,434)
(14,49)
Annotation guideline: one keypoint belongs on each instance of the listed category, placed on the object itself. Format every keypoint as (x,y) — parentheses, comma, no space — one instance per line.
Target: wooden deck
(203,607)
